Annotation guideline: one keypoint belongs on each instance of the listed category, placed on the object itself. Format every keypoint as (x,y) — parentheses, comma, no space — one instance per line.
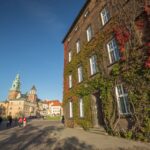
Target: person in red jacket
(24,121)
(20,121)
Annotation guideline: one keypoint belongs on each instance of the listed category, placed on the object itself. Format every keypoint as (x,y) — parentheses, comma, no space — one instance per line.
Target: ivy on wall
(133,70)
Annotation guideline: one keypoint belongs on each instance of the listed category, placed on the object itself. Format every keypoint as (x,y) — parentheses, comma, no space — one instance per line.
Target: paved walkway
(3,125)
(48,135)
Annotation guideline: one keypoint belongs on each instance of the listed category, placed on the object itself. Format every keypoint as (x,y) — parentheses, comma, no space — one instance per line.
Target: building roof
(53,102)
(76,19)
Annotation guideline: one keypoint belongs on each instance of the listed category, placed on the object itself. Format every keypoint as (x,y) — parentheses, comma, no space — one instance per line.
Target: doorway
(97,113)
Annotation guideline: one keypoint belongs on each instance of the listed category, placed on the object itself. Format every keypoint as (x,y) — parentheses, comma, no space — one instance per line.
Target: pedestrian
(7,122)
(1,120)
(16,120)
(20,121)
(10,120)
(62,120)
(24,121)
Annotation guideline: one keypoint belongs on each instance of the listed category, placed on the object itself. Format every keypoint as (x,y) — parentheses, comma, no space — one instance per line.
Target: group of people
(22,121)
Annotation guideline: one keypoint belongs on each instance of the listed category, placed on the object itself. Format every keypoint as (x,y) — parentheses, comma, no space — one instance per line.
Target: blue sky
(31,32)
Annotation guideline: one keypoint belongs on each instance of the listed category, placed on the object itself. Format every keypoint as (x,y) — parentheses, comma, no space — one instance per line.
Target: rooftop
(76,19)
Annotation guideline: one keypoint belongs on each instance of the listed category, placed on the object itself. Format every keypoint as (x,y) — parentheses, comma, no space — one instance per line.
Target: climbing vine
(132,70)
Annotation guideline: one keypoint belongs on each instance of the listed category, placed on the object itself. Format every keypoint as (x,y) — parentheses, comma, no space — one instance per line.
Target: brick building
(97,56)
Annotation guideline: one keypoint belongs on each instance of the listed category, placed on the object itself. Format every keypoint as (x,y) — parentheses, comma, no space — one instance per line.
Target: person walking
(63,120)
(1,120)
(10,120)
(20,121)
(16,121)
(24,121)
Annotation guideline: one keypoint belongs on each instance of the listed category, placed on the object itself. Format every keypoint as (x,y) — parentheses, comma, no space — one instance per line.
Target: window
(76,29)
(105,16)
(89,33)
(86,14)
(78,46)
(81,107)
(93,65)
(122,99)
(80,74)
(69,56)
(70,81)
(70,109)
(113,51)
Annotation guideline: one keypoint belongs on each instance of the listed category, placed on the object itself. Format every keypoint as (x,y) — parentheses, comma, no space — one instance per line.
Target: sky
(31,32)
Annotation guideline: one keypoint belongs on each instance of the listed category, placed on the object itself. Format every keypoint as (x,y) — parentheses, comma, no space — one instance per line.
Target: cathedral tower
(15,89)
(32,96)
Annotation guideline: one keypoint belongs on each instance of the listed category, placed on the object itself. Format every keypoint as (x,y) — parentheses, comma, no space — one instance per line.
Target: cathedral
(19,104)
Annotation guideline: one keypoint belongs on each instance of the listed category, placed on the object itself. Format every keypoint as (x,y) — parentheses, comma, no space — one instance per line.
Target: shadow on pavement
(72,143)
(35,137)
(43,138)
(3,126)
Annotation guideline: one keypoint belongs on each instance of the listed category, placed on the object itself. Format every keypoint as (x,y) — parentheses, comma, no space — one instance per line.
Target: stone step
(99,130)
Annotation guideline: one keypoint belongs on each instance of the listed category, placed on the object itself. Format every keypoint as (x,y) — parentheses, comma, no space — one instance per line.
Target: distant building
(55,108)
(19,104)
(52,108)
(3,108)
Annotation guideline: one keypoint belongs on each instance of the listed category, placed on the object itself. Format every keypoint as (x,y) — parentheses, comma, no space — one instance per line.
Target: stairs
(98,130)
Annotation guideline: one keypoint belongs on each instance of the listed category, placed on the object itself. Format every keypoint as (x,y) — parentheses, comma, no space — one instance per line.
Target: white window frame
(113,51)
(70,109)
(80,74)
(78,46)
(70,81)
(89,33)
(69,56)
(121,94)
(105,16)
(81,108)
(93,64)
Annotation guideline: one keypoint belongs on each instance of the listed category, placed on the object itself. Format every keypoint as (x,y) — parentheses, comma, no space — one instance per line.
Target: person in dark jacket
(10,120)
(1,120)
(63,120)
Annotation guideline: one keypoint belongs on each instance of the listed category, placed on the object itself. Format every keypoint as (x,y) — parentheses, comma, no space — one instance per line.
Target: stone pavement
(3,125)
(51,135)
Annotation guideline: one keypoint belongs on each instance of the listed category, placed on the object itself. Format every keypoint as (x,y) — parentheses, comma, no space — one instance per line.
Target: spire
(32,96)
(33,88)
(16,84)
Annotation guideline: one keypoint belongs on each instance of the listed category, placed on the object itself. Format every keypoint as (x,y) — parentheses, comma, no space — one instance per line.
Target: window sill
(94,74)
(103,26)
(112,63)
(82,118)
(80,82)
(78,52)
(70,88)
(92,38)
(126,115)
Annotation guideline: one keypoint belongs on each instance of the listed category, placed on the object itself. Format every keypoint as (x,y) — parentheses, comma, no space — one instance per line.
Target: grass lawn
(55,118)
